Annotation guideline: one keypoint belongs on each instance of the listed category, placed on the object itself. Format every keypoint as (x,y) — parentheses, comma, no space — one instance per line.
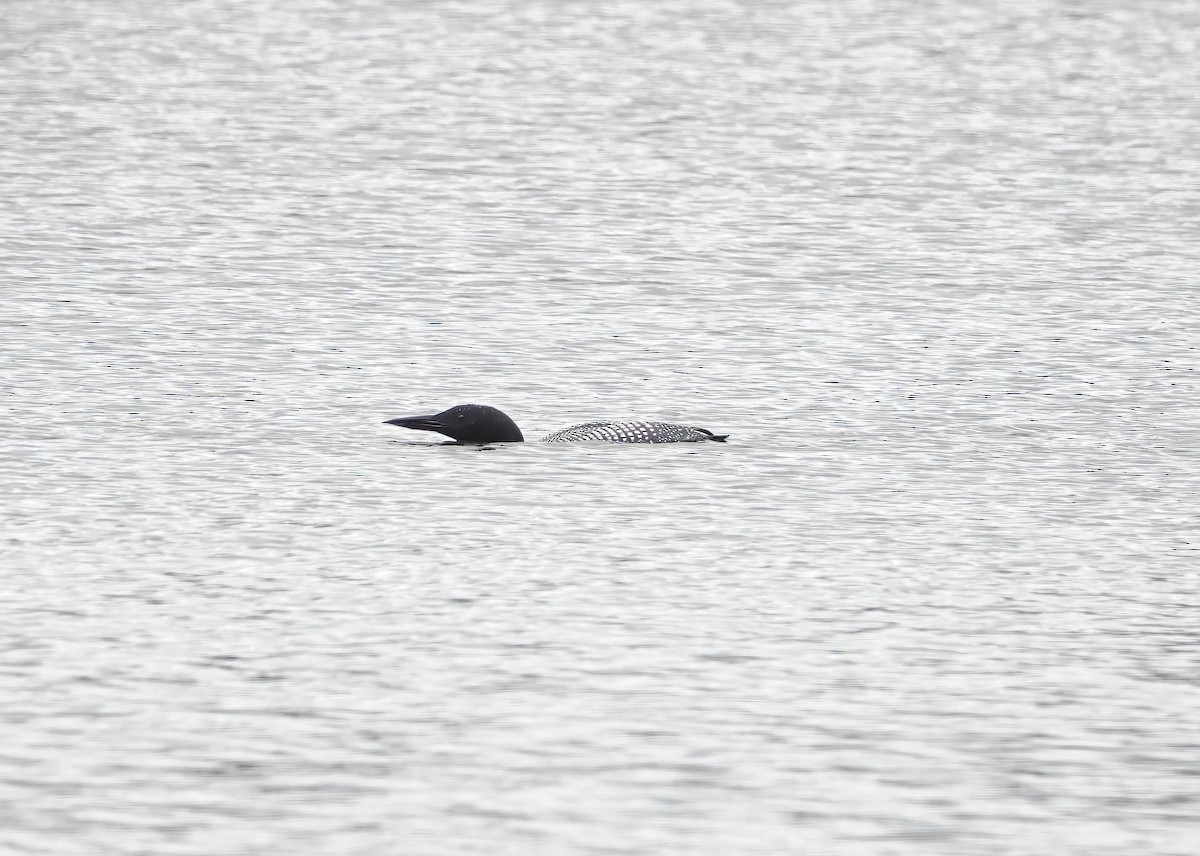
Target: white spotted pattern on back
(628,432)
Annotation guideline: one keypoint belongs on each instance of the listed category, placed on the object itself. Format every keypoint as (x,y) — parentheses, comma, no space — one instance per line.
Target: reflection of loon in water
(478,423)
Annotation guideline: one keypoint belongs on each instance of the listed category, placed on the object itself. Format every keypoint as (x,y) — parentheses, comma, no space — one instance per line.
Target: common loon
(479,424)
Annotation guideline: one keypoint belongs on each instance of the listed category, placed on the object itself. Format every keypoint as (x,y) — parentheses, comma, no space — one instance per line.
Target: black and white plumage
(631,432)
(480,424)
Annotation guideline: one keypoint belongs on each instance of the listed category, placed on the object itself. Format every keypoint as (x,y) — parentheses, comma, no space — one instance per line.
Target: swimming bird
(476,424)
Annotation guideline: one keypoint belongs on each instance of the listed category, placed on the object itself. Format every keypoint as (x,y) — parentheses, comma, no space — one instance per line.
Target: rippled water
(932,266)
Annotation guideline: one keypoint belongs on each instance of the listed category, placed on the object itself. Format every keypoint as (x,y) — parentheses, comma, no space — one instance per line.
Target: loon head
(466,423)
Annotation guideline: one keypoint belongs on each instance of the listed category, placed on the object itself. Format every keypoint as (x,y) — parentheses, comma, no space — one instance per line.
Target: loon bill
(479,424)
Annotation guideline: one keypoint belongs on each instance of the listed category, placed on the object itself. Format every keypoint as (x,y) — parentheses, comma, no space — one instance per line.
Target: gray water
(932,265)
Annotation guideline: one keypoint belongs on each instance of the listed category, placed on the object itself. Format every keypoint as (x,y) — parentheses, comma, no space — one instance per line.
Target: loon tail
(720,438)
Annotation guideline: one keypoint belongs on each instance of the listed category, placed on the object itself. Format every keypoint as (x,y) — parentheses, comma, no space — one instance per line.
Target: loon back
(633,432)
(479,424)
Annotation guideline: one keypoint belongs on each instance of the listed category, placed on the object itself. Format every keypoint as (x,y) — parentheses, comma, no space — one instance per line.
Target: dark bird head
(466,423)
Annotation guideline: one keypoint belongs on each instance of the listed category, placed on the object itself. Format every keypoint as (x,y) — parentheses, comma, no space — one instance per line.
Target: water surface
(932,266)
